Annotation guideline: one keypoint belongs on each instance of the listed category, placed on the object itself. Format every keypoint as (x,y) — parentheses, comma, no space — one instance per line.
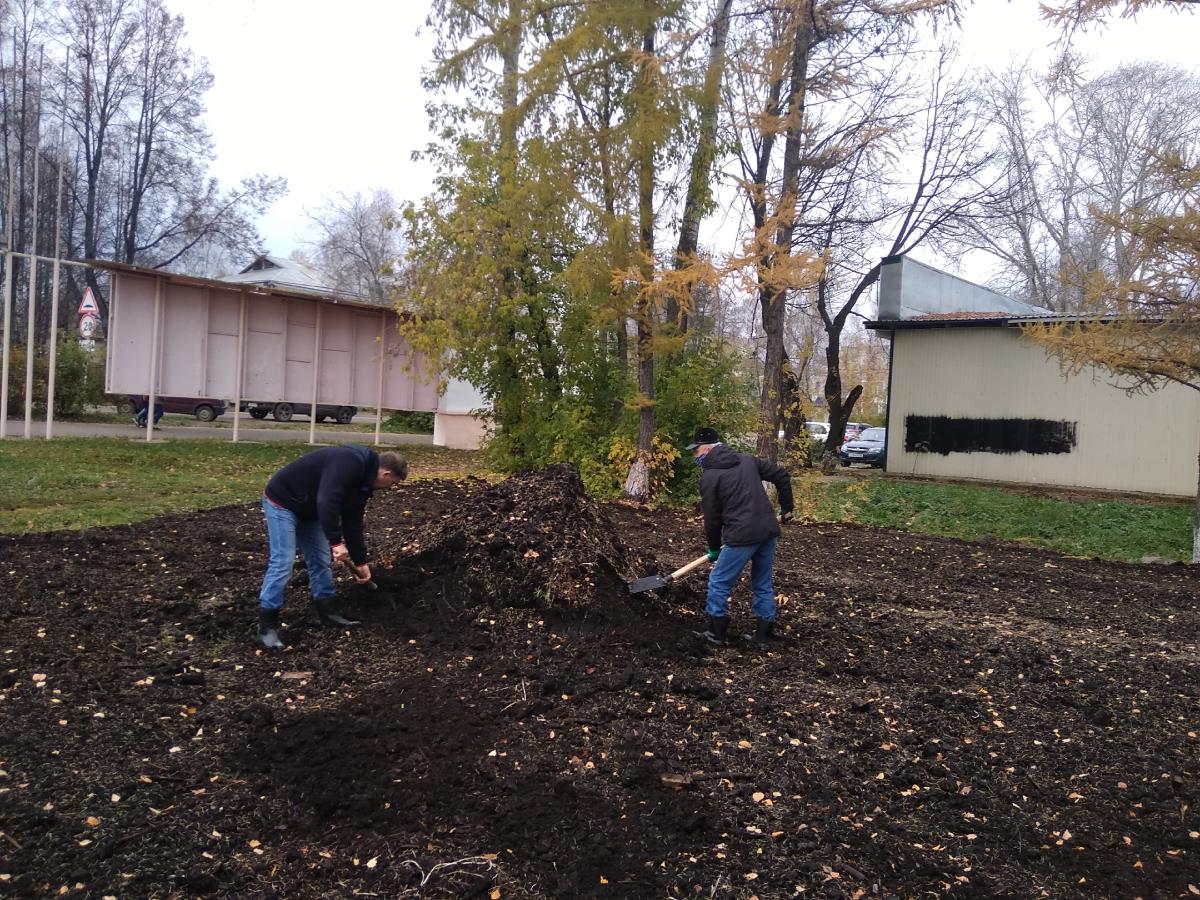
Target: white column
(316,376)
(54,298)
(31,314)
(383,319)
(241,364)
(9,259)
(152,395)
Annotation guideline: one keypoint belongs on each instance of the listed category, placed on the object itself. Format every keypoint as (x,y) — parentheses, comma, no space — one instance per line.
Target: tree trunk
(839,409)
(509,397)
(770,402)
(793,418)
(699,188)
(623,364)
(637,483)
(773,298)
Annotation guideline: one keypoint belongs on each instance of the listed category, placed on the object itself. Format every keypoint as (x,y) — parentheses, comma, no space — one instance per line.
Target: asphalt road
(166,431)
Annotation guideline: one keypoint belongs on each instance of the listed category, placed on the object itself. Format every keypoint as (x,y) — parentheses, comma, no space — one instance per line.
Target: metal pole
(31,306)
(379,384)
(53,363)
(312,411)
(152,395)
(8,289)
(241,361)
(50,259)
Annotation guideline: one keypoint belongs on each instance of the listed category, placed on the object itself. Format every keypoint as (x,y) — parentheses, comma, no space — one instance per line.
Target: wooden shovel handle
(694,564)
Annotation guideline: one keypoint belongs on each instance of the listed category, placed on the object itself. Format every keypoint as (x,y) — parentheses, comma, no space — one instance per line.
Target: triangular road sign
(88,305)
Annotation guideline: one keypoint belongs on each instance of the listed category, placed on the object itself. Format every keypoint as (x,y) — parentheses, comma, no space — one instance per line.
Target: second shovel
(658,582)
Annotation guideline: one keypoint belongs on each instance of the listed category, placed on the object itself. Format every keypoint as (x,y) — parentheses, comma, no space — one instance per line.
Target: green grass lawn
(83,482)
(1109,529)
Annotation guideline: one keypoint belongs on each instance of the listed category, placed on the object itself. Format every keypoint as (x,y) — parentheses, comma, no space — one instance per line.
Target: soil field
(938,718)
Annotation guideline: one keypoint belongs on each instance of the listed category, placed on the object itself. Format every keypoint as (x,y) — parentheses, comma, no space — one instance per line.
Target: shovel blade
(649,583)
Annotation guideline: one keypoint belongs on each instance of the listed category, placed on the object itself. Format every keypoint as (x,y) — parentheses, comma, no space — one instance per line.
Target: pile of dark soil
(939,718)
(534,540)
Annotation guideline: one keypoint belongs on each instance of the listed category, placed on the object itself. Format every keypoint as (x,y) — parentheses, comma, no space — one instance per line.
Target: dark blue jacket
(737,511)
(332,484)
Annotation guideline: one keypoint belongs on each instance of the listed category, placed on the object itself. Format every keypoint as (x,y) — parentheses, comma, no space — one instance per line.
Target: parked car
(203,408)
(853,430)
(283,412)
(867,448)
(817,431)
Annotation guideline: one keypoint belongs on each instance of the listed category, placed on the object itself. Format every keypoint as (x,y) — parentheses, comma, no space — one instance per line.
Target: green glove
(713,554)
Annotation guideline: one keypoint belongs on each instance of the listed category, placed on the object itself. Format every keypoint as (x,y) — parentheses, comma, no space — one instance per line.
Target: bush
(589,416)
(406,422)
(78,378)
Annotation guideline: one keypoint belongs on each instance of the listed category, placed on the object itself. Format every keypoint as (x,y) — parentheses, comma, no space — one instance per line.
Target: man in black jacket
(316,503)
(740,527)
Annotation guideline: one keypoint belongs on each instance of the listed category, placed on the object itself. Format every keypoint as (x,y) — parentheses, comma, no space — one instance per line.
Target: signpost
(89,319)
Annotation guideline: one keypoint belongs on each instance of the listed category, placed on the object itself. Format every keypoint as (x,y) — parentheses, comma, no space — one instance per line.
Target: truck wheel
(282,412)
(258,413)
(345,414)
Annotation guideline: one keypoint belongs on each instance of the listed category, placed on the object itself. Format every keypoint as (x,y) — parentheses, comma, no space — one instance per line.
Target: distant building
(276,271)
(971,396)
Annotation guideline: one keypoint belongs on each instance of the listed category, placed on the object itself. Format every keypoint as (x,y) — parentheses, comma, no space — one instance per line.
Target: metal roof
(979,320)
(255,287)
(277,270)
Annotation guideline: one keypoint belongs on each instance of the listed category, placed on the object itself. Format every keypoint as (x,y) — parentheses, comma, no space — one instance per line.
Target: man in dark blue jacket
(316,503)
(740,527)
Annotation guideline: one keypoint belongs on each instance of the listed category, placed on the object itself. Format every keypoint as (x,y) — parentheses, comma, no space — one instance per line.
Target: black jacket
(332,484)
(737,511)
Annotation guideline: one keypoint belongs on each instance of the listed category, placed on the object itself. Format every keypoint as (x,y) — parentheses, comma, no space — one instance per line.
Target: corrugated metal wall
(198,332)
(1011,390)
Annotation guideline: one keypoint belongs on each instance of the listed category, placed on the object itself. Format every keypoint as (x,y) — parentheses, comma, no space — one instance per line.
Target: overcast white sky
(328,95)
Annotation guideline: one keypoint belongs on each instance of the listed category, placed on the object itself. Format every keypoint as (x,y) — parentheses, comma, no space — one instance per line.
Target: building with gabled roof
(971,395)
(276,271)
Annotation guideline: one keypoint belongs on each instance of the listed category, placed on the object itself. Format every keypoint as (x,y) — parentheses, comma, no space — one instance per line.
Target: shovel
(657,582)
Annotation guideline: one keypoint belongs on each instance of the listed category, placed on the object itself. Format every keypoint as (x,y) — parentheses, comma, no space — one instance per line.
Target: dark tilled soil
(939,718)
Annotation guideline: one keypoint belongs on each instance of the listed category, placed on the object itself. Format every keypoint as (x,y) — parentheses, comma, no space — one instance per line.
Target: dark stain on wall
(944,435)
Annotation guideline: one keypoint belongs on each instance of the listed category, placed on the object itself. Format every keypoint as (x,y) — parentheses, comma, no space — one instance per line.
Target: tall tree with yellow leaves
(562,135)
(1145,327)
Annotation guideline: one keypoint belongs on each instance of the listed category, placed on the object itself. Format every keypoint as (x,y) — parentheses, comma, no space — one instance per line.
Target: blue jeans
(728,568)
(285,533)
(140,418)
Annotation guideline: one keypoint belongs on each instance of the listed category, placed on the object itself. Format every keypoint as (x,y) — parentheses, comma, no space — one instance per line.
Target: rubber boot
(329,615)
(268,629)
(717,627)
(762,633)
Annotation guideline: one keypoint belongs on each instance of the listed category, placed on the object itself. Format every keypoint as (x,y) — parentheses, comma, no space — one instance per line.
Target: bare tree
(358,244)
(827,77)
(165,131)
(1096,152)
(873,206)
(134,101)
(102,34)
